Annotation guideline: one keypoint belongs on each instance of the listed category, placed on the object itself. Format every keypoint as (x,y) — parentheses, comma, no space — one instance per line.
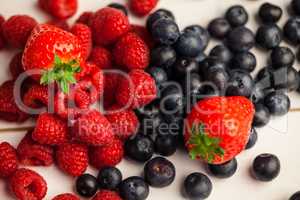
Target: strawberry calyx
(204,146)
(63,73)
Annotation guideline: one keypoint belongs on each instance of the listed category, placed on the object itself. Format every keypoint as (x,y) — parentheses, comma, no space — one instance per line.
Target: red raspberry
(143,33)
(132,52)
(108,25)
(72,158)
(36,96)
(109,155)
(66,196)
(62,24)
(43,4)
(27,184)
(85,18)
(2,20)
(34,154)
(8,160)
(101,57)
(111,85)
(17,29)
(137,90)
(60,9)
(16,66)
(142,7)
(93,128)
(50,130)
(2,42)
(107,195)
(84,35)
(124,122)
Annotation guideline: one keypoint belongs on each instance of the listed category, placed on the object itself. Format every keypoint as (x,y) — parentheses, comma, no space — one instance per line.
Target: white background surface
(281,136)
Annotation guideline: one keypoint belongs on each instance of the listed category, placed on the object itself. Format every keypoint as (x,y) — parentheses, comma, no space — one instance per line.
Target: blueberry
(244,61)
(165,145)
(119,7)
(262,115)
(282,57)
(278,103)
(159,14)
(295,196)
(269,36)
(165,31)
(291,30)
(109,178)
(269,13)
(200,57)
(218,77)
(189,44)
(266,167)
(286,78)
(222,53)
(149,111)
(172,125)
(134,188)
(86,185)
(244,42)
(159,172)
(295,4)
(225,170)
(258,93)
(197,186)
(191,85)
(172,99)
(240,84)
(219,28)
(163,56)
(184,66)
(201,32)
(252,139)
(237,16)
(140,148)
(149,125)
(159,75)
(211,62)
(265,77)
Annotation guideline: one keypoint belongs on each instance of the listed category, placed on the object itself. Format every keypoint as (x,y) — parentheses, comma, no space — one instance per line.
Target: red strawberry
(143,33)
(108,25)
(15,65)
(8,160)
(101,57)
(66,196)
(27,184)
(60,9)
(108,155)
(36,96)
(62,24)
(218,128)
(84,35)
(17,29)
(72,158)
(50,130)
(93,128)
(85,18)
(137,90)
(106,195)
(56,52)
(132,52)
(2,20)
(142,7)
(32,153)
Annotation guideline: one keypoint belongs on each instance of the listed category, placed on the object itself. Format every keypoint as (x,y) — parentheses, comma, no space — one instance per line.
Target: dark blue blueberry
(201,32)
(184,66)
(262,115)
(197,186)
(189,44)
(252,139)
(295,196)
(172,99)
(163,56)
(278,103)
(86,185)
(282,57)
(224,170)
(200,57)
(269,36)
(219,28)
(109,178)
(166,145)
(237,16)
(159,14)
(222,53)
(295,4)
(244,61)
(165,31)
(265,78)
(240,39)
(266,167)
(240,84)
(159,75)
(211,62)
(258,93)
(269,13)
(119,7)
(134,188)
(286,78)
(291,30)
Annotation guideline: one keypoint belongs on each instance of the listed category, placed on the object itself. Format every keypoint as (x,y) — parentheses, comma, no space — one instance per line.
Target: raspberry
(142,7)
(72,158)
(36,96)
(60,9)
(8,160)
(27,184)
(16,66)
(101,57)
(136,91)
(111,85)
(107,156)
(62,24)
(85,18)
(17,29)
(108,25)
(84,35)
(34,154)
(107,195)
(132,52)
(66,196)
(2,42)
(143,33)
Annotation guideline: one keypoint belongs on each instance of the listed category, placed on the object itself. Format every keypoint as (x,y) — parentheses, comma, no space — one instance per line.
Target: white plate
(280,137)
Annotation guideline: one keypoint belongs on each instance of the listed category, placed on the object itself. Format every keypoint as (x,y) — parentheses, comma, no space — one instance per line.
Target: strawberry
(60,9)
(132,52)
(50,130)
(66,196)
(108,155)
(72,158)
(108,25)
(142,7)
(93,128)
(218,128)
(55,52)
(36,96)
(62,24)
(15,65)
(85,18)
(2,20)
(101,57)
(84,35)
(106,195)
(26,184)
(143,33)
(8,160)
(17,29)
(137,90)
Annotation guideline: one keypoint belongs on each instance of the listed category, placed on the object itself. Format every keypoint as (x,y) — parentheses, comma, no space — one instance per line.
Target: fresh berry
(165,31)
(197,186)
(172,99)
(134,188)
(266,167)
(119,7)
(66,196)
(258,93)
(101,57)
(224,170)
(200,57)
(222,53)
(201,32)
(84,34)
(189,44)
(262,115)
(159,75)
(237,16)
(282,57)
(286,78)
(72,158)
(252,139)
(15,65)
(158,14)
(106,195)
(163,56)
(109,178)
(132,52)
(17,29)
(240,83)
(269,13)
(86,185)
(8,160)
(142,7)
(165,145)
(269,36)
(27,184)
(219,28)
(107,156)
(244,42)
(36,97)
(108,25)
(291,30)
(85,18)
(143,33)
(265,77)
(111,84)
(60,9)
(59,23)
(295,196)
(244,61)
(183,67)
(278,103)
(295,4)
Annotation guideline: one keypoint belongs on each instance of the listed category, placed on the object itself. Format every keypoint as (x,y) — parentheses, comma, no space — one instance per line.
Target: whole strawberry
(142,7)
(108,25)
(132,52)
(15,65)
(66,196)
(50,130)
(218,128)
(84,35)
(136,90)
(85,18)
(60,9)
(72,158)
(106,195)
(101,57)
(26,184)
(36,96)
(17,29)
(108,155)
(8,160)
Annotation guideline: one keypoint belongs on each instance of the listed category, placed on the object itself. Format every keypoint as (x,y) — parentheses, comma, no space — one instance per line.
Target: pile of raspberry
(92,137)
